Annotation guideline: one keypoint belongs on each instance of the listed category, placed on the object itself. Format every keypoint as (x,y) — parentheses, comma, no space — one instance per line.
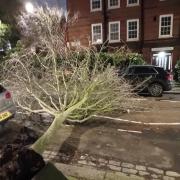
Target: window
(114,31)
(132,2)
(96,33)
(133,30)
(166,25)
(96,5)
(112,4)
(144,70)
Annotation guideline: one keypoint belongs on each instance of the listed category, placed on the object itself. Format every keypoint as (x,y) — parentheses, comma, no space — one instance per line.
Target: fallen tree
(50,77)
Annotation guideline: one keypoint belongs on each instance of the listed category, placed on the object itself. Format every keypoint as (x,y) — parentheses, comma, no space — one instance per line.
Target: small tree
(52,79)
(5,32)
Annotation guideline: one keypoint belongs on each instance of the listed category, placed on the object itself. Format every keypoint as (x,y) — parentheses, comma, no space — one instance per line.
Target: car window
(160,70)
(144,70)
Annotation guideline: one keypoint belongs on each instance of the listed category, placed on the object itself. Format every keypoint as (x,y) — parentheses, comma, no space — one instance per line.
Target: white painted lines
(170,101)
(139,122)
(118,119)
(129,131)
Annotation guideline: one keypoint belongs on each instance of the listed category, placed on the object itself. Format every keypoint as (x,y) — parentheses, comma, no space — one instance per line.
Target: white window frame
(97,9)
(113,7)
(160,20)
(132,39)
(114,22)
(97,24)
(131,5)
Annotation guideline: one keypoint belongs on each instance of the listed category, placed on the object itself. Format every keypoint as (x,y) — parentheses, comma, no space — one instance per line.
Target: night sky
(56,3)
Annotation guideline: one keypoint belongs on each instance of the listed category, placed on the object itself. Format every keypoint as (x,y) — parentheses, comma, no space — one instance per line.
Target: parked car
(149,78)
(7,107)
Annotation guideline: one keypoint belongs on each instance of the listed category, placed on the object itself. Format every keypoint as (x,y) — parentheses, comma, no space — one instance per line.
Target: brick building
(151,27)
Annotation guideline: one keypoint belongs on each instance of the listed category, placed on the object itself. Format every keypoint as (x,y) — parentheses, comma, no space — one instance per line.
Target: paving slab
(91,173)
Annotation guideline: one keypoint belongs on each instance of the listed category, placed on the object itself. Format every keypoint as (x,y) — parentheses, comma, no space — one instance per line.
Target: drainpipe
(142,25)
(105,23)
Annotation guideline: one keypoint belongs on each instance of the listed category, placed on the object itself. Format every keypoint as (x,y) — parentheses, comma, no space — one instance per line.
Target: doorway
(163,59)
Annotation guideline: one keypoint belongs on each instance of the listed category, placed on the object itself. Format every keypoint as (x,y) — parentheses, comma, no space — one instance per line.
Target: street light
(29,7)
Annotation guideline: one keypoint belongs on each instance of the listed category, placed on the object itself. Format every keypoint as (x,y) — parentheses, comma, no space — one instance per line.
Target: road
(148,145)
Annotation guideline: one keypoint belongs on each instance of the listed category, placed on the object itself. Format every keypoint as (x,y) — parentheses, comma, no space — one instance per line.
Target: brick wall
(82,28)
(149,35)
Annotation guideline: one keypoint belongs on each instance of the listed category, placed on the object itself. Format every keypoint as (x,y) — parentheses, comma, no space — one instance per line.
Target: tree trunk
(40,145)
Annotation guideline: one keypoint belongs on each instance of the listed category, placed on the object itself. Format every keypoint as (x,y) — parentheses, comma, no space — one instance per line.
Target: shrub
(177,71)
(122,58)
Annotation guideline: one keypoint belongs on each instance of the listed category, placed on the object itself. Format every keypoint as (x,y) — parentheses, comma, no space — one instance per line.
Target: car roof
(144,66)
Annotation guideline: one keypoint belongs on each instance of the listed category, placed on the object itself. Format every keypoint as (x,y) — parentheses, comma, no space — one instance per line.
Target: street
(156,146)
(137,144)
(73,93)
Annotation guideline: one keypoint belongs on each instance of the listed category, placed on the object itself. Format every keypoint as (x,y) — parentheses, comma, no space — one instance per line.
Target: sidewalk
(101,169)
(175,89)
(92,173)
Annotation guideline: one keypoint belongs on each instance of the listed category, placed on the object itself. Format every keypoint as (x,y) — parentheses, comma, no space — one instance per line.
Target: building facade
(150,27)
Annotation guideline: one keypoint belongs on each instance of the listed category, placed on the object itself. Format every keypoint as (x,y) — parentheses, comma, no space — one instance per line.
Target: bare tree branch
(46,76)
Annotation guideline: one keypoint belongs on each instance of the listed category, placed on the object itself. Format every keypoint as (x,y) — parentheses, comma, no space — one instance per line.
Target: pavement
(175,89)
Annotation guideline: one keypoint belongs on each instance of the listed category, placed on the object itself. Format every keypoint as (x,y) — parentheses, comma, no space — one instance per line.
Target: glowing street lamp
(29,7)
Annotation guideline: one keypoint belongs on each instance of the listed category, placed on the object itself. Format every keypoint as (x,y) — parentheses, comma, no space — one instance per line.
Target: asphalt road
(156,146)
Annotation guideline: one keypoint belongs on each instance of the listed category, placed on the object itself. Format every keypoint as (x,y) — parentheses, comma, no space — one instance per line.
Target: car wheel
(155,89)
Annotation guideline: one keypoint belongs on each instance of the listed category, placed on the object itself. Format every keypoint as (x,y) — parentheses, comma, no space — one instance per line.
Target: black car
(149,78)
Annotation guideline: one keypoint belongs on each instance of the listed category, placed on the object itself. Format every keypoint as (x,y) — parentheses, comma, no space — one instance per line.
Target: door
(163,60)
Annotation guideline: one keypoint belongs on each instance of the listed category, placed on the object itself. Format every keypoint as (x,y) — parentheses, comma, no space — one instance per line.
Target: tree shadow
(50,172)
(69,148)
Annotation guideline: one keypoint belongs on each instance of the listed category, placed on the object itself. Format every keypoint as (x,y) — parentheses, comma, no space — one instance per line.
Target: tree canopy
(48,76)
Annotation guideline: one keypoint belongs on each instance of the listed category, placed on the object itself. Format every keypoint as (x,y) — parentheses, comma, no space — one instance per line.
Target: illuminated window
(96,33)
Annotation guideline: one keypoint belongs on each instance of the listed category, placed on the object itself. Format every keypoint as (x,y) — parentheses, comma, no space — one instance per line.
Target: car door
(143,76)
